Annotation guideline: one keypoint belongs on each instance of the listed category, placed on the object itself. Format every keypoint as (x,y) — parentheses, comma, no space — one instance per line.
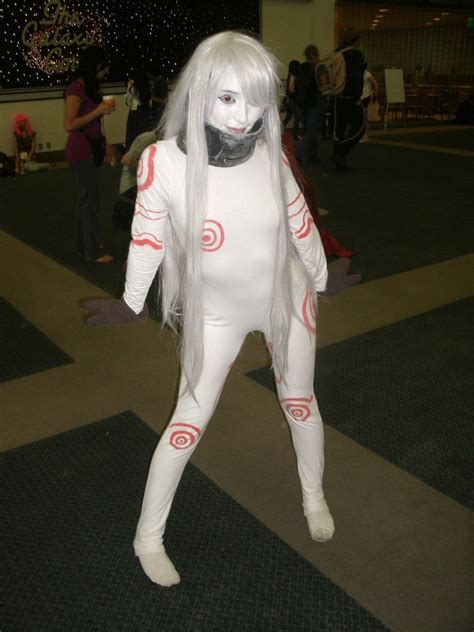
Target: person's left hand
(107,311)
(338,279)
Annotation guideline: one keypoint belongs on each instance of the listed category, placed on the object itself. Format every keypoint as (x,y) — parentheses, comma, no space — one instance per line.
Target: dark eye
(227,98)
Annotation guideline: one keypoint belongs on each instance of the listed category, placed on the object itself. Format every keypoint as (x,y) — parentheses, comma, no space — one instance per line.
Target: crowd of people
(343,114)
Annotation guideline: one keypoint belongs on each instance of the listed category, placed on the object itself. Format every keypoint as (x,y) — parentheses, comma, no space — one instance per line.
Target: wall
(288,26)
(45,109)
(286,29)
(447,50)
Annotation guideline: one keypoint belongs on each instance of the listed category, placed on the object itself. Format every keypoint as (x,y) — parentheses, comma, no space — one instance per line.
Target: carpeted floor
(70,504)
(453,140)
(409,400)
(400,209)
(24,349)
(379,211)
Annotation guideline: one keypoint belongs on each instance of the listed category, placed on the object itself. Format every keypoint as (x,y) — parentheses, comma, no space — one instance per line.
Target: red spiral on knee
(299,408)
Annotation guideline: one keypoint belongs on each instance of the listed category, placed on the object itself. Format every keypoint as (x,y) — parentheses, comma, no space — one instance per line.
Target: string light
(158,37)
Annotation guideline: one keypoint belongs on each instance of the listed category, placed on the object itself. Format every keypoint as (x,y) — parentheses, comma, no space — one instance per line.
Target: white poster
(394,86)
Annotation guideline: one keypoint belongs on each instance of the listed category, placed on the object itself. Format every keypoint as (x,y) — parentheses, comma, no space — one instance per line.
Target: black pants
(312,120)
(88,208)
(349,125)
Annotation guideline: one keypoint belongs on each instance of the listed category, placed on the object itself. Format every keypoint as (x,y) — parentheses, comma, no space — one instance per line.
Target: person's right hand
(106,107)
(112,311)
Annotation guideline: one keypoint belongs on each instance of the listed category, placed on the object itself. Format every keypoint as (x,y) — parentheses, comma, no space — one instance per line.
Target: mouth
(236,130)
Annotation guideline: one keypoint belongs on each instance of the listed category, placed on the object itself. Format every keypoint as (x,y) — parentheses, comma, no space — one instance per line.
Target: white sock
(320,522)
(159,568)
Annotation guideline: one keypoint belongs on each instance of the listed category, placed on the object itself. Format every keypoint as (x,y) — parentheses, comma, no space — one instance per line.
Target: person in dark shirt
(312,107)
(349,123)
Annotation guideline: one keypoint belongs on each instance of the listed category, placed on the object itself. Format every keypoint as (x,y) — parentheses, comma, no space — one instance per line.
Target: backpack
(331,73)
(7,166)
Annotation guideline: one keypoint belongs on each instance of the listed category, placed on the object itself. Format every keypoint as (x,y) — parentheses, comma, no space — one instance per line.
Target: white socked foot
(320,522)
(159,568)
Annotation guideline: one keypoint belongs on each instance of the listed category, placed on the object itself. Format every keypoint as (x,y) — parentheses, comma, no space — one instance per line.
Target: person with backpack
(349,119)
(312,107)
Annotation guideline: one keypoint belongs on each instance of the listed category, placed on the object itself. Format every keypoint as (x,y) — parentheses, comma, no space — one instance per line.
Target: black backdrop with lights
(43,37)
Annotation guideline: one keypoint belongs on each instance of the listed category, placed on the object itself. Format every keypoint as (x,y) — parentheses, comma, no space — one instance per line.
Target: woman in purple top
(84,111)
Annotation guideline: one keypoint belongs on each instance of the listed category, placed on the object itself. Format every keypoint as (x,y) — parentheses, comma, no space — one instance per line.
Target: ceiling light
(445,13)
(436,19)
(383,10)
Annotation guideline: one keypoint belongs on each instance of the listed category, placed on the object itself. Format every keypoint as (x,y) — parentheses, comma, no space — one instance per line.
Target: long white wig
(197,87)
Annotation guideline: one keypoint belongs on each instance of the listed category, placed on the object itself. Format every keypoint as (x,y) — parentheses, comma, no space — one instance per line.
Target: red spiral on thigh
(309,312)
(299,408)
(183,436)
(212,236)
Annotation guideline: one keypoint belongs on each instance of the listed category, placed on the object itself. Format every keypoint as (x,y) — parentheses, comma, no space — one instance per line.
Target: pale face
(230,112)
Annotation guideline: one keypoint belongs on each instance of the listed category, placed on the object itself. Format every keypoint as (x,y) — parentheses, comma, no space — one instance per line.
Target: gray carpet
(69,509)
(405,392)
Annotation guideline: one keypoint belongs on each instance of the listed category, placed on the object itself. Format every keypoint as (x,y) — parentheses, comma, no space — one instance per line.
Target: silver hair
(181,283)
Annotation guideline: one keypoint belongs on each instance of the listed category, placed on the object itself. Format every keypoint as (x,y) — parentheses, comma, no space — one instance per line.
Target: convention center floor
(81,410)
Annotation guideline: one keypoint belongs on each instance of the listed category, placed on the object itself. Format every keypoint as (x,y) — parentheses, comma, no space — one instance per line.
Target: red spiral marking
(150,169)
(147,239)
(299,408)
(184,436)
(285,161)
(212,236)
(309,312)
(306,226)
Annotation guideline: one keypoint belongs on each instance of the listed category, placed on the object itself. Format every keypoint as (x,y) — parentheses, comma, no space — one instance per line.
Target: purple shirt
(77,146)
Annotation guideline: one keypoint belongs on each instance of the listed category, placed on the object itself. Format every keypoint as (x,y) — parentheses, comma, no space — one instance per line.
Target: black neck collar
(226,150)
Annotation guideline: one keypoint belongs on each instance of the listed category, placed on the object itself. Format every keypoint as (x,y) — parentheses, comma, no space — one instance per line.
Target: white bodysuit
(239,244)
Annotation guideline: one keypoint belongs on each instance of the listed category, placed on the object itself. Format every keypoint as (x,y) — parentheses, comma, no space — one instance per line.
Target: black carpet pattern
(405,392)
(24,349)
(70,505)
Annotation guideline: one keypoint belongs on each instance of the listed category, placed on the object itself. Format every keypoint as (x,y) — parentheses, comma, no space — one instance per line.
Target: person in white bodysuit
(220,214)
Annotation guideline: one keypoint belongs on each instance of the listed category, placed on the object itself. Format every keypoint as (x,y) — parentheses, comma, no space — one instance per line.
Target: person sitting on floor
(25,147)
